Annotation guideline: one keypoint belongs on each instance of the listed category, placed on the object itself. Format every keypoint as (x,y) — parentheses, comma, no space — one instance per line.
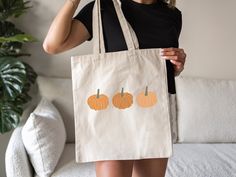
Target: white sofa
(206,123)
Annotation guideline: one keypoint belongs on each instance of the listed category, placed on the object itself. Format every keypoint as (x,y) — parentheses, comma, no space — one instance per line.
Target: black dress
(156,26)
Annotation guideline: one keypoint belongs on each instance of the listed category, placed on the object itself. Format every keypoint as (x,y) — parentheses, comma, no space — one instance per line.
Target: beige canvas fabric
(121,101)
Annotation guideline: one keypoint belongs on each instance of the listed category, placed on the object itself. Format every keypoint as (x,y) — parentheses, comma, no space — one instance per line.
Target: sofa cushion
(202,160)
(67,167)
(44,137)
(59,91)
(206,109)
(195,160)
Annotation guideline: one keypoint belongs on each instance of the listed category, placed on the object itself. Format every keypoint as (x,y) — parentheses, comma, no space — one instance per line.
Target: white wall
(208,37)
(37,23)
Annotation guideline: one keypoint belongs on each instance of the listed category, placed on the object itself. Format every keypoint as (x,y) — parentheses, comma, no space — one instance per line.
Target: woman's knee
(155,167)
(114,168)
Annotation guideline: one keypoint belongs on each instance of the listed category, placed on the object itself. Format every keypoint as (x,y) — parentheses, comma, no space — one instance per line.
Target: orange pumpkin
(98,101)
(147,98)
(122,99)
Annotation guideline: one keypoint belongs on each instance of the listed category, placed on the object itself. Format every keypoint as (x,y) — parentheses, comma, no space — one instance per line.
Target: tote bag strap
(125,26)
(129,34)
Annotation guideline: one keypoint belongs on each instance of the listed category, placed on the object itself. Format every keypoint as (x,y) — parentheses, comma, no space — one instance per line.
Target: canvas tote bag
(121,101)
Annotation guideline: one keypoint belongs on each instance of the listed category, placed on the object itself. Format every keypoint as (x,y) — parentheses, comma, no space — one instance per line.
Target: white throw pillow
(16,159)
(206,109)
(44,137)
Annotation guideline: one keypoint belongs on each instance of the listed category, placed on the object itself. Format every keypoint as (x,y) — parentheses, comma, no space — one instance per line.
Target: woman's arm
(65,32)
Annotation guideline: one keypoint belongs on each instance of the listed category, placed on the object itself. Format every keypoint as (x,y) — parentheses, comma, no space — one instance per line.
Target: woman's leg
(114,168)
(150,167)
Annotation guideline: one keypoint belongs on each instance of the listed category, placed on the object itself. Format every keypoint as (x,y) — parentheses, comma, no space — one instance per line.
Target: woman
(157,24)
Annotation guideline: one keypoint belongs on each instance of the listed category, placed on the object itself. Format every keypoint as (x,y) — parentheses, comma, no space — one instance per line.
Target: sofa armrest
(16,158)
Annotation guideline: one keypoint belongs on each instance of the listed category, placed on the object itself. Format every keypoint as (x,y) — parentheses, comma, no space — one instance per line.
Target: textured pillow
(16,159)
(44,137)
(206,109)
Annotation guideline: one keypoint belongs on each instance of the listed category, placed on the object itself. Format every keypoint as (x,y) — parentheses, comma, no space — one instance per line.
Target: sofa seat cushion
(203,160)
(195,160)
(67,167)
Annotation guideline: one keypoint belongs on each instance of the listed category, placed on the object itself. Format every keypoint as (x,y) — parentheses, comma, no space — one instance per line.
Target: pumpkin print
(98,101)
(122,99)
(146,99)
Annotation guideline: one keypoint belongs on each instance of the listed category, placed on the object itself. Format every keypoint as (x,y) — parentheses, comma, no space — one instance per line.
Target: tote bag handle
(129,34)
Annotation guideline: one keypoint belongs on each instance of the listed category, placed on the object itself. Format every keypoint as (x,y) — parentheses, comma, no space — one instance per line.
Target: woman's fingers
(173,54)
(175,59)
(176,56)
(170,57)
(171,50)
(177,63)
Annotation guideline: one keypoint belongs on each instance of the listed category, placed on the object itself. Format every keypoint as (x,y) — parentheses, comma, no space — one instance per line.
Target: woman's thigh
(114,168)
(150,167)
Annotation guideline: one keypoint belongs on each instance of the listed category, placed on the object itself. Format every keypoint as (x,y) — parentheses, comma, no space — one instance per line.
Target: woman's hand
(176,56)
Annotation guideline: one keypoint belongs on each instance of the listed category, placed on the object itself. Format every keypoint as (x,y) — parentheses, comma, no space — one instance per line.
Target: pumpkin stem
(98,93)
(146,91)
(122,91)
